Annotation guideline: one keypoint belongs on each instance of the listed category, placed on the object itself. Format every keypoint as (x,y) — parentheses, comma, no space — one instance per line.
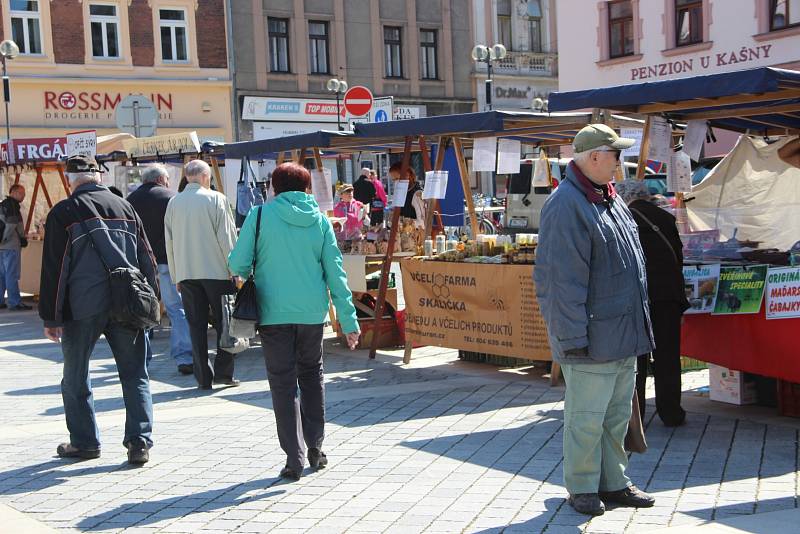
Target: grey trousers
(293,355)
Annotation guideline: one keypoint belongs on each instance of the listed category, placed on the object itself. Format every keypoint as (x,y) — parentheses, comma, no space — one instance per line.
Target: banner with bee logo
(488,308)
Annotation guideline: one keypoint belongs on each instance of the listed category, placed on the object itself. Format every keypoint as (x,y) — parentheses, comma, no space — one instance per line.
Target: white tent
(751,190)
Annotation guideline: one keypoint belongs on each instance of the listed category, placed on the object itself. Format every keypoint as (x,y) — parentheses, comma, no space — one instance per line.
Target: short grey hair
(196,168)
(152,173)
(77,178)
(581,157)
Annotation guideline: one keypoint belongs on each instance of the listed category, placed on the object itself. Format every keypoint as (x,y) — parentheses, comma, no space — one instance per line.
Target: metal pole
(136,131)
(338,112)
(489,84)
(7,98)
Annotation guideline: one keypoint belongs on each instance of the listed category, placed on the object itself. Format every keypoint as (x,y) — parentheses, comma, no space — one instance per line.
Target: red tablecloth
(748,343)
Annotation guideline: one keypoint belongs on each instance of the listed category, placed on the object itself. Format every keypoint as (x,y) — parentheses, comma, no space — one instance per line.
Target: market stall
(476,292)
(740,225)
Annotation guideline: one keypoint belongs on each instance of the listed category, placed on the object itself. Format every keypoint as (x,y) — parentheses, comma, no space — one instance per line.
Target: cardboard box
(388,335)
(732,387)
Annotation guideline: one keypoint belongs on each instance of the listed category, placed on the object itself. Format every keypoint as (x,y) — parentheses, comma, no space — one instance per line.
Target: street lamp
(487,54)
(8,50)
(339,87)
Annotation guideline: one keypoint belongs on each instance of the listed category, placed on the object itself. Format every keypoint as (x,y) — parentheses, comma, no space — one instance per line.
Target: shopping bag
(541,172)
(229,341)
(248,194)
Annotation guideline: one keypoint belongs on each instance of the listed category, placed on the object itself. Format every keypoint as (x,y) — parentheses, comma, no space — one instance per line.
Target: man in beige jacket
(199,233)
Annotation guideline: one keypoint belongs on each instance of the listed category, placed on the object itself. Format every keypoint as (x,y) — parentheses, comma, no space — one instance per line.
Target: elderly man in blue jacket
(592,289)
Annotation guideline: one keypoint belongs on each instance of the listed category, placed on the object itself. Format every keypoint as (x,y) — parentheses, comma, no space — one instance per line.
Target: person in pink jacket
(379,204)
(354,212)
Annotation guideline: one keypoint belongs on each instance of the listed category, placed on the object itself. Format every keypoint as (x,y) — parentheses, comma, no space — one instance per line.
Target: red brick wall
(68,42)
(211,40)
(140,22)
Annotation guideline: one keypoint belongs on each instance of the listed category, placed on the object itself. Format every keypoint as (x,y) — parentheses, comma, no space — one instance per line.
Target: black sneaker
(317,459)
(67,450)
(587,503)
(630,497)
(186,368)
(290,474)
(20,307)
(137,452)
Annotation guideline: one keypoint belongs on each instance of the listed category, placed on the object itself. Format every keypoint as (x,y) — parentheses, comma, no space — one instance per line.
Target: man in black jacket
(663,253)
(75,299)
(150,202)
(12,240)
(363,188)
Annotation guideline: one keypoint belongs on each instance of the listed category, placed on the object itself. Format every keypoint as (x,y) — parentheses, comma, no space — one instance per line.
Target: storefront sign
(481,308)
(98,105)
(163,144)
(697,65)
(34,149)
(258,108)
(82,143)
(402,112)
(783,293)
(740,290)
(701,283)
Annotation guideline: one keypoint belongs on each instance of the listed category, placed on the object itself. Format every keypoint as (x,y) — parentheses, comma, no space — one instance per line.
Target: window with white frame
(104,24)
(26,26)
(174,35)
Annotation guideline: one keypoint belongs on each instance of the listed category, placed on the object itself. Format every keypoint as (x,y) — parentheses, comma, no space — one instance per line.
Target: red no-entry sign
(358,101)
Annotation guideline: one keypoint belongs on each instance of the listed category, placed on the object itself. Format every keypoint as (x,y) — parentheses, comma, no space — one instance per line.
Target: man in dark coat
(363,188)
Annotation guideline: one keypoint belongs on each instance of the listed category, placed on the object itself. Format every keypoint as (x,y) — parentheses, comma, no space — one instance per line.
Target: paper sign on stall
(82,143)
(635,134)
(321,188)
(400,193)
(783,293)
(435,185)
(694,138)
(484,154)
(508,153)
(679,173)
(660,140)
(700,284)
(741,289)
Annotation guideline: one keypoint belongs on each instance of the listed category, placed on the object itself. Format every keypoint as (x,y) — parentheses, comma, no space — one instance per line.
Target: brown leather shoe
(67,450)
(587,503)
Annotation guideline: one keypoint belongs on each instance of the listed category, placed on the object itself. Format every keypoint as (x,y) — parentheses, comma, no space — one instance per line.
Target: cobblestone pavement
(437,446)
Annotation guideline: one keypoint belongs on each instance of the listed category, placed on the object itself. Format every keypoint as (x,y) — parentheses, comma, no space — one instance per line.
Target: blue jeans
(179,341)
(130,350)
(9,277)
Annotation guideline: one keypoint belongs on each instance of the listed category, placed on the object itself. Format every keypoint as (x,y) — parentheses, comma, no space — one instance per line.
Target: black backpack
(134,302)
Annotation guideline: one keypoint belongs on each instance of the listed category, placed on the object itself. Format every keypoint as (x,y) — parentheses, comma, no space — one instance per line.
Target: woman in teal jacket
(297,264)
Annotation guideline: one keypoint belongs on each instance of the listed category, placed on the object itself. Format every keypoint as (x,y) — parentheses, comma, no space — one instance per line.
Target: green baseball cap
(599,135)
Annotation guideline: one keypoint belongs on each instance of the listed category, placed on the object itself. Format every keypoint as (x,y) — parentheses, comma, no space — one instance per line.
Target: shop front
(52,107)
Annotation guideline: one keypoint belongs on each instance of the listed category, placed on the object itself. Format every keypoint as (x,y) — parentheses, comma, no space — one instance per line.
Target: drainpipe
(232,69)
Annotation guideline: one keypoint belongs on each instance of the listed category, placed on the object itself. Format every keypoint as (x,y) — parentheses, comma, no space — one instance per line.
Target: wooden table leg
(407,352)
(555,374)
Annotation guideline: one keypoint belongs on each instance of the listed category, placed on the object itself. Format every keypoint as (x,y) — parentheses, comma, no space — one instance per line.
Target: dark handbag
(245,308)
(134,303)
(634,438)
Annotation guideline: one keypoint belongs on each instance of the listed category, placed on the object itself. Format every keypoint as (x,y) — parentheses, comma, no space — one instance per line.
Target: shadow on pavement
(153,511)
(49,474)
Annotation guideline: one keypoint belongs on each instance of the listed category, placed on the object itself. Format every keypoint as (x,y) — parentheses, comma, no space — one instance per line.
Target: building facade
(631,41)
(285,51)
(79,58)
(527,28)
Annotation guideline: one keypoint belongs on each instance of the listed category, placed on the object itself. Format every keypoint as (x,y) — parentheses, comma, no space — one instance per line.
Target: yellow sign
(474,307)
(186,143)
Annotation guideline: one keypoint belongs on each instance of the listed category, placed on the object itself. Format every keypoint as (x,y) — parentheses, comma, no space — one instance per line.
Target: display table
(747,343)
(488,308)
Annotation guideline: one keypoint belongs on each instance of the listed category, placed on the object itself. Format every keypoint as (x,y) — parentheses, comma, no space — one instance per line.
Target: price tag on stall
(435,185)
(484,154)
(400,192)
(694,138)
(508,154)
(660,140)
(82,143)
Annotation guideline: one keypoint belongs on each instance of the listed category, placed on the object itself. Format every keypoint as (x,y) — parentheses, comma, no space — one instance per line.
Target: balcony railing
(525,63)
